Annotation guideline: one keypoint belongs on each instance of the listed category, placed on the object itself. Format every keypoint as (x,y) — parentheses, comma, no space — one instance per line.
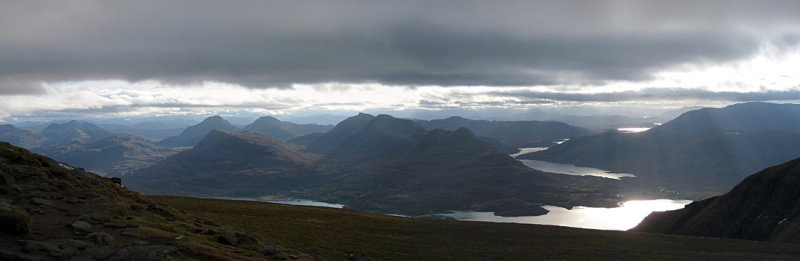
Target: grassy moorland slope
(333,234)
(53,211)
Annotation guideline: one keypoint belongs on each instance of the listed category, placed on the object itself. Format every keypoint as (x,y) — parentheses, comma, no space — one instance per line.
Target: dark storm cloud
(656,94)
(13,87)
(276,43)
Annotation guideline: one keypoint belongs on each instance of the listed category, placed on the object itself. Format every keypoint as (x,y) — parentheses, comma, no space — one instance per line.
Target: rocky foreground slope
(50,210)
(765,206)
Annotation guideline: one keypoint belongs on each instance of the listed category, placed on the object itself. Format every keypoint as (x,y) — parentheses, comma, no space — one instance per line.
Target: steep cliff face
(765,206)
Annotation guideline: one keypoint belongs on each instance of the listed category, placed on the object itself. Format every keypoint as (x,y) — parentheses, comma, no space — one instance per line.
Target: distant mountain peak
(267,118)
(463,131)
(193,134)
(341,132)
(216,119)
(284,130)
(73,132)
(248,159)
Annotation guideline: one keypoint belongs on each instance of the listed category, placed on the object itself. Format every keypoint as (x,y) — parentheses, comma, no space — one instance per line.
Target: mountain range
(113,156)
(517,134)
(87,145)
(227,164)
(701,153)
(380,163)
(396,166)
(24,137)
(54,211)
(73,132)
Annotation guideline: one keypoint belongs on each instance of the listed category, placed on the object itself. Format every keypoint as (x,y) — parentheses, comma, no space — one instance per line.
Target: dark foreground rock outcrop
(765,206)
(53,211)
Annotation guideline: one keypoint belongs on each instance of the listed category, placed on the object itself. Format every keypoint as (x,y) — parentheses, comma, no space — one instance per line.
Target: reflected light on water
(624,217)
(296,202)
(632,130)
(569,169)
(523,151)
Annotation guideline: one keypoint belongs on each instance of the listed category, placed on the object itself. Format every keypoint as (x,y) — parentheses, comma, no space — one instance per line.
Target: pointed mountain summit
(381,137)
(284,130)
(224,164)
(73,132)
(341,132)
(763,207)
(193,134)
(23,137)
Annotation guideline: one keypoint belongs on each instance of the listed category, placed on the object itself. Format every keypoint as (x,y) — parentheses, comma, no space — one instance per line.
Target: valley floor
(333,234)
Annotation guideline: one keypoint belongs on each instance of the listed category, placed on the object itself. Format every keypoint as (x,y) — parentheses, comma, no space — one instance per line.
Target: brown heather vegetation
(334,234)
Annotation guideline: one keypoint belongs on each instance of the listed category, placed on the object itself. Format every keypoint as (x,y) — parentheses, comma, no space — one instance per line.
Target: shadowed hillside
(388,165)
(763,207)
(339,133)
(226,164)
(517,134)
(395,166)
(701,152)
(116,156)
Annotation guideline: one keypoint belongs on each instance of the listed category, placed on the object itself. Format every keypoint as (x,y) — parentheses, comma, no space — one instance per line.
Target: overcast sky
(142,58)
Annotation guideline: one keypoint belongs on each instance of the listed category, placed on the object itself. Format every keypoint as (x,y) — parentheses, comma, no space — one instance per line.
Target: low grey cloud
(20,87)
(277,43)
(655,94)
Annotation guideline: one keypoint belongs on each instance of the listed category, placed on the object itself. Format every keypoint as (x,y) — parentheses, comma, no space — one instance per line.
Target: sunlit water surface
(528,150)
(632,130)
(569,169)
(566,169)
(624,217)
(296,202)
